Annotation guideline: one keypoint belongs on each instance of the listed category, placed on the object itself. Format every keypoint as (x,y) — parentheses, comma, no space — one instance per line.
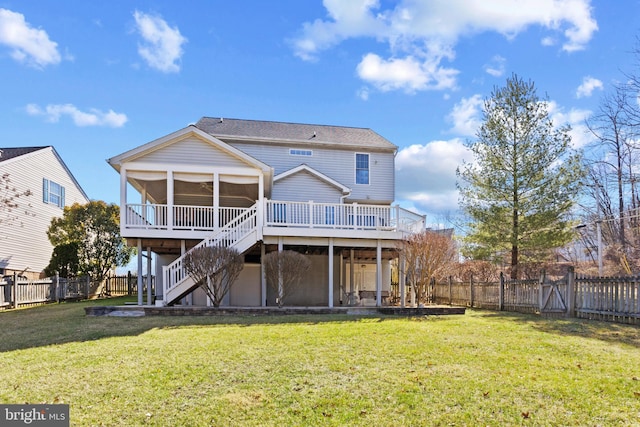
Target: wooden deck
(137,311)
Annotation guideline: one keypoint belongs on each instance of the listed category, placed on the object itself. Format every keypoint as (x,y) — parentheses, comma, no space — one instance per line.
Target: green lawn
(483,368)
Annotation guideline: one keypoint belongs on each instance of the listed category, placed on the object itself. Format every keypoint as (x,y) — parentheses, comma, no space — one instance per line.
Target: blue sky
(95,79)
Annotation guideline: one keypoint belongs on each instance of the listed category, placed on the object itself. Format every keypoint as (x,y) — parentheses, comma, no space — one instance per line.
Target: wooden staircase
(241,234)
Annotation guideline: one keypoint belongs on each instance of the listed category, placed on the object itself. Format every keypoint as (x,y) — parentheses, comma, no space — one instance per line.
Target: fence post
(56,278)
(450,291)
(501,293)
(471,291)
(540,290)
(14,285)
(87,286)
(571,292)
(129,288)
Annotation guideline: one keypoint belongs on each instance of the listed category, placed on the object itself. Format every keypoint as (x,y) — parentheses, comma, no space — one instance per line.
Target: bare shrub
(215,268)
(481,271)
(427,254)
(284,271)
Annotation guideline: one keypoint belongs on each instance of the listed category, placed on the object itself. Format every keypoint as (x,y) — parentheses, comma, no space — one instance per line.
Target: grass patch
(482,368)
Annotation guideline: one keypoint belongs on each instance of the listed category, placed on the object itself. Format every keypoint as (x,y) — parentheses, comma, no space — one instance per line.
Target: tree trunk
(514,262)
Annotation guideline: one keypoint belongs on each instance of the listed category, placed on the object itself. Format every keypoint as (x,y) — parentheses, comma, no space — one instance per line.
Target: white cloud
(363,93)
(580,134)
(29,45)
(422,33)
(466,116)
(94,117)
(496,66)
(589,84)
(162,45)
(408,74)
(426,174)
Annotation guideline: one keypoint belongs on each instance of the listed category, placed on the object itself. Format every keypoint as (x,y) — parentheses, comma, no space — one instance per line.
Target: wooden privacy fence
(15,293)
(615,299)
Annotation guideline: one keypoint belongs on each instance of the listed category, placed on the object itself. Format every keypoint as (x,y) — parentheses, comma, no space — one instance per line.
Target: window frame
(49,196)
(367,169)
(300,152)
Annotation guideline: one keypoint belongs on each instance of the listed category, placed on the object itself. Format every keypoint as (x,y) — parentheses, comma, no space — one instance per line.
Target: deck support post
(330,272)
(378,274)
(352,281)
(140,287)
(263,278)
(149,278)
(402,280)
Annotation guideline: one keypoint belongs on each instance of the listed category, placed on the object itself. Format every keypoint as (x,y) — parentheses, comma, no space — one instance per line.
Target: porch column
(216,200)
(140,287)
(352,277)
(261,209)
(123,199)
(170,221)
(402,280)
(263,278)
(379,274)
(330,272)
(149,293)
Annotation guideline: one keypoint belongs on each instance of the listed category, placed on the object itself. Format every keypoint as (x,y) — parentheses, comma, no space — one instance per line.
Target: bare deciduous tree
(284,271)
(427,254)
(215,268)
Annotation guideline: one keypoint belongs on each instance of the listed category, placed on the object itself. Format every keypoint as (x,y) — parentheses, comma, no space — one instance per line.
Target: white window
(362,168)
(52,193)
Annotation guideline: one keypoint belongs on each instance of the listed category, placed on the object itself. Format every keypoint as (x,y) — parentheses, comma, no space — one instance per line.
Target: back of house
(259,187)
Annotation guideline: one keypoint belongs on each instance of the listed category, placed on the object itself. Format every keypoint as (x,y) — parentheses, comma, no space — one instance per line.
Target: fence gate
(553,296)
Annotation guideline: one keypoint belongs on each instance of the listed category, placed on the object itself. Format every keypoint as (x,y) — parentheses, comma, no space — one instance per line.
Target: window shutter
(61,197)
(45,190)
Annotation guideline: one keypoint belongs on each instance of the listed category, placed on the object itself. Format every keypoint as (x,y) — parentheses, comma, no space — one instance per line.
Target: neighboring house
(24,246)
(325,191)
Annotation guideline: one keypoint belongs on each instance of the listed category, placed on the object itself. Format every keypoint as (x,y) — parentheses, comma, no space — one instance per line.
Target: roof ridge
(282,122)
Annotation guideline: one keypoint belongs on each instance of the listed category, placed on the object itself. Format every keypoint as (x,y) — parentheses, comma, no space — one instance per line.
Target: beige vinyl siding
(23,242)
(335,163)
(302,187)
(192,151)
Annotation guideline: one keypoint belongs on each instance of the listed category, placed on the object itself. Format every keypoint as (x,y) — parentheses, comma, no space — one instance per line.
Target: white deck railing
(276,214)
(155,217)
(341,216)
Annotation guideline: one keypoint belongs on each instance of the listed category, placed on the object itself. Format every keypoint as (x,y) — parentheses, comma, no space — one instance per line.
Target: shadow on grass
(55,324)
(595,329)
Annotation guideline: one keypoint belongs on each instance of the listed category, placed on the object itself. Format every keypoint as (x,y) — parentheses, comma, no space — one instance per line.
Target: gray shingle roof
(293,132)
(10,153)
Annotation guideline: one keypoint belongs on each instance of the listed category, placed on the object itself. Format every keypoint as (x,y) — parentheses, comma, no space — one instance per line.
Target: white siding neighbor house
(24,246)
(259,186)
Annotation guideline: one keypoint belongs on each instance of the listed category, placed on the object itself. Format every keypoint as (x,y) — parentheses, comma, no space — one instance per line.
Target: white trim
(179,135)
(317,174)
